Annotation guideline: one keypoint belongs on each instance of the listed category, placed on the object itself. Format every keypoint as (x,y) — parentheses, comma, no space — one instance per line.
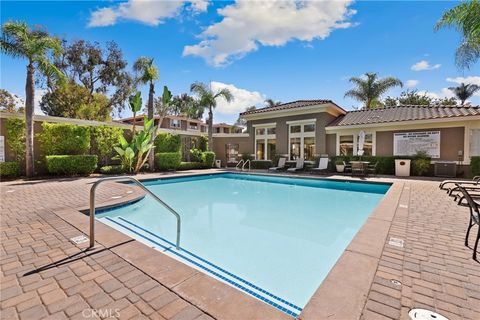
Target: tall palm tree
(464,91)
(147,73)
(465,18)
(272,103)
(36,46)
(208,100)
(369,88)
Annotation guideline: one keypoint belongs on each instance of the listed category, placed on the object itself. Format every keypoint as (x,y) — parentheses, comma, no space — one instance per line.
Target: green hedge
(192,166)
(261,164)
(208,157)
(115,169)
(9,169)
(475,165)
(168,160)
(16,137)
(71,164)
(102,141)
(65,139)
(167,142)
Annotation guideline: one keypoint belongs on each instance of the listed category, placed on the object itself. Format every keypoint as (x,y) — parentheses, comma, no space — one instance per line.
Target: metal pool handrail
(237,167)
(142,186)
(245,163)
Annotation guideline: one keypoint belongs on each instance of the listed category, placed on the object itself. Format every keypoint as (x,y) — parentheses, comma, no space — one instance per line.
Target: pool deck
(44,275)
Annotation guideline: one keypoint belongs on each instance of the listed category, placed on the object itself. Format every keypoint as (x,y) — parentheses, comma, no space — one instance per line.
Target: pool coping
(349,279)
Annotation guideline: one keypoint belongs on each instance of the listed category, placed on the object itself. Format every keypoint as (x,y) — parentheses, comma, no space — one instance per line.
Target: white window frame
(265,137)
(355,141)
(174,126)
(302,135)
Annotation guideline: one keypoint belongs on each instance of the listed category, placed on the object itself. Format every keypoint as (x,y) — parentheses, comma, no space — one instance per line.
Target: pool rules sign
(409,143)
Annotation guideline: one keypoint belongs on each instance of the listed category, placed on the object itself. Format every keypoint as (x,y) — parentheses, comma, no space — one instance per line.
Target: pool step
(149,238)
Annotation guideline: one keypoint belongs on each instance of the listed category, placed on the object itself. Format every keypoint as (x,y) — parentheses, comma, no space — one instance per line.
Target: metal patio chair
(474,218)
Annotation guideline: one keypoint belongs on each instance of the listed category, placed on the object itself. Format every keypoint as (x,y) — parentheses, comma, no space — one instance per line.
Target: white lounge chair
(322,165)
(280,165)
(298,165)
(444,185)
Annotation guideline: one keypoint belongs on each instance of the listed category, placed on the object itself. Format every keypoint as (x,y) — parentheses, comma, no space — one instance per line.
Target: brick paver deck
(44,275)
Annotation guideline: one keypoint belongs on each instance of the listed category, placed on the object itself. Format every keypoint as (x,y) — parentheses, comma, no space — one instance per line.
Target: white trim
(329,107)
(306,121)
(265,125)
(355,141)
(231,135)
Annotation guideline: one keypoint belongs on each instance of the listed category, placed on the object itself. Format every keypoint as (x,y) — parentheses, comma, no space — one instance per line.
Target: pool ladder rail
(142,186)
(243,164)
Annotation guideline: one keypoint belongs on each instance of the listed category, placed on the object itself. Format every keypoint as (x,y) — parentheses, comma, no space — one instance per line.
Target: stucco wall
(451,141)
(331,144)
(322,120)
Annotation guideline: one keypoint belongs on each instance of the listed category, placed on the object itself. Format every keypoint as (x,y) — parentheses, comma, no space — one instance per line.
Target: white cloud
(424,65)
(151,12)
(248,24)
(412,83)
(242,99)
(466,80)
(444,93)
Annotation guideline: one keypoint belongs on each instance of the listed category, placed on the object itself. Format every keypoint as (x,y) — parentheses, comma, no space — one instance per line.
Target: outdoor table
(363,164)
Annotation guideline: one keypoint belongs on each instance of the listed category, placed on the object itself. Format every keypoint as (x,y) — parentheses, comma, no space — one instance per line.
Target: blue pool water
(275,238)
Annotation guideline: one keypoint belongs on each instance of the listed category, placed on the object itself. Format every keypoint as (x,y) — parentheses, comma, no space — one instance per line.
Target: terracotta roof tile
(289,105)
(404,113)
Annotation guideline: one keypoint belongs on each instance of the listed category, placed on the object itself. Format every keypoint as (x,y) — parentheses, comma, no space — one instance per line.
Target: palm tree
(464,91)
(272,103)
(208,100)
(465,18)
(147,73)
(370,88)
(35,46)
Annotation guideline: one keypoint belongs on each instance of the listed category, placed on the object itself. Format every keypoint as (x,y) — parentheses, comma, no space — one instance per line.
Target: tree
(186,105)
(465,18)
(99,70)
(135,102)
(36,46)
(147,73)
(10,102)
(240,121)
(272,103)
(72,100)
(208,100)
(464,91)
(370,88)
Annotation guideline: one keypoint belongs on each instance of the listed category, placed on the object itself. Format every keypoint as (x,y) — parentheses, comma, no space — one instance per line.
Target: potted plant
(340,165)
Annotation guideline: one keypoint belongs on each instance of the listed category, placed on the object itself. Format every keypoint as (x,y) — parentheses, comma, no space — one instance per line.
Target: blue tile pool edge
(216,274)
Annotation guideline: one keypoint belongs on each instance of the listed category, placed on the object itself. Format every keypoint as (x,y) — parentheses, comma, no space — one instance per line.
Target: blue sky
(261,50)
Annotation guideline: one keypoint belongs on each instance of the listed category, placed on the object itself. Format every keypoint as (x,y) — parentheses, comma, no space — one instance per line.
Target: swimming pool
(275,238)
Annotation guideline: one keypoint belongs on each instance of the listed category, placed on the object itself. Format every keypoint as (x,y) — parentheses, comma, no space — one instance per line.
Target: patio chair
(358,169)
(443,185)
(322,165)
(372,168)
(298,165)
(280,165)
(474,218)
(347,168)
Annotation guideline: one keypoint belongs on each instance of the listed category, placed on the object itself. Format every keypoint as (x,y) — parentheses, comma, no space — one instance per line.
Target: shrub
(71,164)
(195,155)
(16,137)
(168,160)
(475,165)
(202,143)
(167,142)
(208,157)
(420,163)
(9,169)
(103,141)
(385,164)
(191,165)
(116,169)
(261,164)
(65,139)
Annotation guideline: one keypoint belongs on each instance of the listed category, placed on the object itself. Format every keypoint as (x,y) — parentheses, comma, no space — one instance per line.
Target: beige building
(309,128)
(172,122)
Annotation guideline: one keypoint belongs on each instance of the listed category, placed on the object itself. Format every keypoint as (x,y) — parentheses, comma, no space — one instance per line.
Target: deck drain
(116,197)
(423,314)
(403,206)
(396,242)
(129,191)
(79,240)
(9,191)
(395,282)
